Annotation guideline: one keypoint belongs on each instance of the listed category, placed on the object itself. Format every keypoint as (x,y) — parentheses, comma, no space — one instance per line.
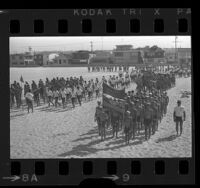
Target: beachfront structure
(126,55)
(79,57)
(17,60)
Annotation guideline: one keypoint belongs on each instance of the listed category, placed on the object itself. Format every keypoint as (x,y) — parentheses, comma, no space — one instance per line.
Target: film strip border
(120,171)
(123,21)
(94,22)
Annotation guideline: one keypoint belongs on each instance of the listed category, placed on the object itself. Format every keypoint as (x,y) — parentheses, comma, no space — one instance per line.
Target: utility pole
(175,54)
(91,44)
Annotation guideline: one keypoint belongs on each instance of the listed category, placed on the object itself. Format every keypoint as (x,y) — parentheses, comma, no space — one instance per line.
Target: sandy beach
(72,133)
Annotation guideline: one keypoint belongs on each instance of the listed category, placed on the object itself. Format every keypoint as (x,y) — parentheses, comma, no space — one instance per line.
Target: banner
(114,105)
(116,93)
(21,79)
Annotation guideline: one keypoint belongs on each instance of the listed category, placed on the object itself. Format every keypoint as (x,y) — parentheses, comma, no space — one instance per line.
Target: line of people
(70,90)
(107,68)
(56,89)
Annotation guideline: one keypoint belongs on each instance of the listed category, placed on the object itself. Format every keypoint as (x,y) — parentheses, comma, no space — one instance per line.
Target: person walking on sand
(50,96)
(79,95)
(90,92)
(179,116)
(63,96)
(56,96)
(68,92)
(29,100)
(73,96)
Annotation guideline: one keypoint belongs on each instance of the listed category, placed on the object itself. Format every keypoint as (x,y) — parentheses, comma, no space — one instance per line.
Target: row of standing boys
(107,68)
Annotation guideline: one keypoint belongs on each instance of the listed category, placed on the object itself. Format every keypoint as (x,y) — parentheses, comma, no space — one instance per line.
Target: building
(79,57)
(184,55)
(62,59)
(170,55)
(29,57)
(124,47)
(126,55)
(57,59)
(41,59)
(101,57)
(17,60)
(153,54)
(102,53)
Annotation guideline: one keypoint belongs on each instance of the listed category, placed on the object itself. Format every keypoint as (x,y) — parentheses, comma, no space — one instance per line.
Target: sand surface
(72,133)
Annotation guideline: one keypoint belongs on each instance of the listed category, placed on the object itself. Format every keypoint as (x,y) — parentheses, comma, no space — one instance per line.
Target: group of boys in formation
(143,108)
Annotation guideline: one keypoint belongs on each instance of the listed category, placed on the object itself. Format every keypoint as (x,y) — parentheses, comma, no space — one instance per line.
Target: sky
(21,44)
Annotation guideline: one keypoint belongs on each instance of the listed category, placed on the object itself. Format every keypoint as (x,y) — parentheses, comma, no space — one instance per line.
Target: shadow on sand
(82,150)
(55,109)
(91,134)
(17,115)
(166,139)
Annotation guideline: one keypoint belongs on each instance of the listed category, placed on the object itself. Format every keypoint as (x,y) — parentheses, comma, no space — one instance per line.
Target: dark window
(62,26)
(86,26)
(136,167)
(111,167)
(134,26)
(133,54)
(183,167)
(182,25)
(39,168)
(63,168)
(158,25)
(14,26)
(119,54)
(15,168)
(38,26)
(110,26)
(159,167)
(87,167)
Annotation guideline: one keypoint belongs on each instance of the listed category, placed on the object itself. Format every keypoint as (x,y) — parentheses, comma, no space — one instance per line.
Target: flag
(21,79)
(114,105)
(116,93)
